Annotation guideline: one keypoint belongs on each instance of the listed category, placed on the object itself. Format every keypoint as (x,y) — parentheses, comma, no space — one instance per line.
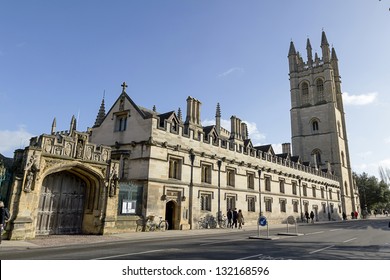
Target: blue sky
(58,57)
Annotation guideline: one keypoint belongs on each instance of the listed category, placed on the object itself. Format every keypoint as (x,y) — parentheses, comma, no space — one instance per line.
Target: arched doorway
(170,214)
(61,204)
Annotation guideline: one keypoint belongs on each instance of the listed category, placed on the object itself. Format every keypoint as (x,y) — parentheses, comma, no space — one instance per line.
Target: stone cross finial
(124,86)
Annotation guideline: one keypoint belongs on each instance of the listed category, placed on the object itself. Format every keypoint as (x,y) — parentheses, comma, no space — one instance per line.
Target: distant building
(135,162)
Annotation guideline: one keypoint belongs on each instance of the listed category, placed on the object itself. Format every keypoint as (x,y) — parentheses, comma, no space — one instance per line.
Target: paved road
(352,240)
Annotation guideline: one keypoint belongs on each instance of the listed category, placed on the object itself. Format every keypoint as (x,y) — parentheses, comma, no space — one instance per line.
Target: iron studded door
(61,204)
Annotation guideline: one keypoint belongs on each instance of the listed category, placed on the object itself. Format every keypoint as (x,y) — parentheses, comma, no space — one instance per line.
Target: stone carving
(31,169)
(29,181)
(68,149)
(79,149)
(88,152)
(113,180)
(48,144)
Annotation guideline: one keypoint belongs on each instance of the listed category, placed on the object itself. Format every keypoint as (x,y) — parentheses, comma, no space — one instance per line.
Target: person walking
(229,216)
(307,216)
(2,219)
(312,217)
(240,219)
(235,214)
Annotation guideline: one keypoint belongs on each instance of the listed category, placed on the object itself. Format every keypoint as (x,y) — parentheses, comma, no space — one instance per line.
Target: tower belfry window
(314,126)
(320,90)
(305,93)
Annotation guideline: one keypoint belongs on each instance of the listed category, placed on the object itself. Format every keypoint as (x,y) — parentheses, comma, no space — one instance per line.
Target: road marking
(262,257)
(336,229)
(254,256)
(319,250)
(139,253)
(221,241)
(317,232)
(349,240)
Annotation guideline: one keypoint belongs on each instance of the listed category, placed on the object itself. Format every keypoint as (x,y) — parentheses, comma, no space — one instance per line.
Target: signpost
(291,221)
(262,222)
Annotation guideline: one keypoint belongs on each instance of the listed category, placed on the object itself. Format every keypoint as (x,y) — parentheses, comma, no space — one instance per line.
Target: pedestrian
(312,217)
(344,216)
(229,215)
(2,219)
(307,216)
(235,214)
(240,219)
(356,214)
(352,215)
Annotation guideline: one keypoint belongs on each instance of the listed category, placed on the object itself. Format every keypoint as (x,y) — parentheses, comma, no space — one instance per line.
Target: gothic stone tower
(317,116)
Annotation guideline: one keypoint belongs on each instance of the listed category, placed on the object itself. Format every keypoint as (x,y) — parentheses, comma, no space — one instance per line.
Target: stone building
(136,162)
(319,133)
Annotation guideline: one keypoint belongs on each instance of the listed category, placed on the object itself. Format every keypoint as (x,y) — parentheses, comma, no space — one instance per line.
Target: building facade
(136,162)
(319,133)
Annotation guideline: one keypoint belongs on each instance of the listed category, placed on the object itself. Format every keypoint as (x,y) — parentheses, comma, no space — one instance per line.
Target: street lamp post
(192,158)
(219,192)
(365,210)
(260,213)
(300,198)
(327,201)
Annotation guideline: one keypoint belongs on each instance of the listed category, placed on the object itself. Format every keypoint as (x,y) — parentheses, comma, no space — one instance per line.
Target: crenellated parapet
(75,145)
(248,154)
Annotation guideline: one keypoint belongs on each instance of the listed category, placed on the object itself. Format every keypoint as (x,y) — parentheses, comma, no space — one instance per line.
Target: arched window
(342,158)
(339,129)
(305,93)
(346,188)
(317,157)
(320,89)
(315,125)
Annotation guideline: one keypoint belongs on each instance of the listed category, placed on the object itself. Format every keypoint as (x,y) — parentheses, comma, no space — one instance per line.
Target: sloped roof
(266,149)
(142,112)
(6,161)
(248,143)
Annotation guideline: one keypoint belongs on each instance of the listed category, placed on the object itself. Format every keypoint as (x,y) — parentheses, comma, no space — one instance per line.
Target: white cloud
(254,134)
(233,70)
(362,99)
(385,163)
(12,140)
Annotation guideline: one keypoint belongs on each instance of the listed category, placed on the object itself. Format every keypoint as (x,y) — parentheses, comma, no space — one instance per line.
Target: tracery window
(305,93)
(320,89)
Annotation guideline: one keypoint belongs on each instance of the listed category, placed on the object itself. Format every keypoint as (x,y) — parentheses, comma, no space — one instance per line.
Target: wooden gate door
(61,204)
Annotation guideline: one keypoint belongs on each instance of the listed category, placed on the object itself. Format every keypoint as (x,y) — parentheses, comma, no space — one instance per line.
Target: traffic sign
(262,221)
(290,220)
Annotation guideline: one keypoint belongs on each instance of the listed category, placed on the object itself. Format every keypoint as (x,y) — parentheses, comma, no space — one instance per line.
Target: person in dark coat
(307,216)
(240,219)
(235,216)
(2,218)
(312,216)
(229,216)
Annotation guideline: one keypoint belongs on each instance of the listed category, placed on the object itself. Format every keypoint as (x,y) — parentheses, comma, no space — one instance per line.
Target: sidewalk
(65,240)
